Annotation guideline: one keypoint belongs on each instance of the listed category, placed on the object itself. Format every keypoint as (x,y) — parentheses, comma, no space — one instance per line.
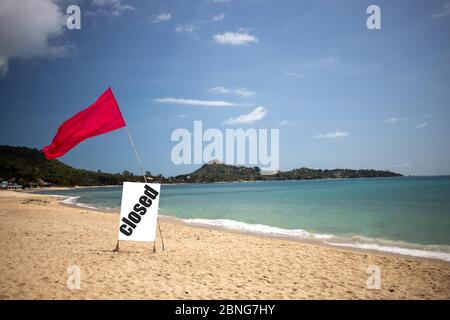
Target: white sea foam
(360,242)
(431,253)
(257,228)
(74,201)
(70,200)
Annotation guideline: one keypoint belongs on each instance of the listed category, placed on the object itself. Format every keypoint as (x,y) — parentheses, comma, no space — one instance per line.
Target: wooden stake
(117,247)
(160,233)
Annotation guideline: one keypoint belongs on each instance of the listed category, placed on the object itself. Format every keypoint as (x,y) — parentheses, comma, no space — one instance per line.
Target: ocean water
(407,215)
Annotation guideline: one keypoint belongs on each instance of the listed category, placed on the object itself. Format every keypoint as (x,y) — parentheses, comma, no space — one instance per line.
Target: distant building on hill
(214,161)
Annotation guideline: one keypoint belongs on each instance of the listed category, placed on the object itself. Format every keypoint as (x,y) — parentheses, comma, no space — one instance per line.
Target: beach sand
(41,238)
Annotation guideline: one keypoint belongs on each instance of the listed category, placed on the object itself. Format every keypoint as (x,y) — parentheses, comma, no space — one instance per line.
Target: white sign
(139,211)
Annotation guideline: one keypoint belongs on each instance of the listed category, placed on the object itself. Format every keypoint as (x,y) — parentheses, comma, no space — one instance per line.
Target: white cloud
(188,28)
(422,125)
(282,123)
(244,92)
(30,28)
(394,120)
(218,1)
(241,92)
(219,17)
(162,17)
(197,25)
(239,38)
(391,120)
(419,126)
(331,135)
(294,74)
(111,7)
(196,102)
(289,123)
(219,90)
(444,12)
(255,115)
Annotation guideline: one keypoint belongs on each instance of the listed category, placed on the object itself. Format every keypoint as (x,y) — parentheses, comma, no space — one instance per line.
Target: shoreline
(56,188)
(304,240)
(42,238)
(315,242)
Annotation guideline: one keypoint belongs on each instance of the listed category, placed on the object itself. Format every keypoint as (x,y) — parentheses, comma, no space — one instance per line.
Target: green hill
(219,172)
(306,173)
(216,172)
(29,167)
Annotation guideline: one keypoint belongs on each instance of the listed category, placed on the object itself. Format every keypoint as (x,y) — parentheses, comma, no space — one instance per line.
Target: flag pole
(137,154)
(145,179)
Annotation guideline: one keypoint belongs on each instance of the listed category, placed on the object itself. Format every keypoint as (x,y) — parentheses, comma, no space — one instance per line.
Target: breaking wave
(440,252)
(257,228)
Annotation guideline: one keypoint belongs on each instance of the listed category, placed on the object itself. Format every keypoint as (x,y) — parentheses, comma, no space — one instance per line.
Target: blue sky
(342,95)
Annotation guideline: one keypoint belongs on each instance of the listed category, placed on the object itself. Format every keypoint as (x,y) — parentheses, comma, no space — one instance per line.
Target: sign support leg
(117,247)
(160,233)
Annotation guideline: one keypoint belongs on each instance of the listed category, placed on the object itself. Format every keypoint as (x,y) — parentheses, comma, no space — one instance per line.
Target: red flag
(101,117)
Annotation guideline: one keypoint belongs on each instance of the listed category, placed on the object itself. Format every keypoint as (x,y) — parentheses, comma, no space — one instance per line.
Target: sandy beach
(41,238)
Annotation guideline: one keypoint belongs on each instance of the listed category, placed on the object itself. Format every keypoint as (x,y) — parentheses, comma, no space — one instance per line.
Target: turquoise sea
(408,215)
